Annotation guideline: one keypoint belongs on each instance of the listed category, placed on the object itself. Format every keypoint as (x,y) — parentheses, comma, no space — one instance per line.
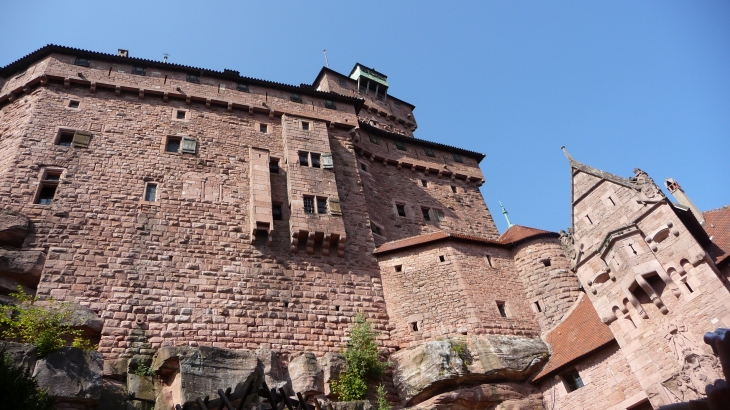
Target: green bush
(19,390)
(382,401)
(362,362)
(42,326)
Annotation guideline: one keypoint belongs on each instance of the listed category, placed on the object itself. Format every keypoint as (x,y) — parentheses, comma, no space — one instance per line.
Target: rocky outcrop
(13,228)
(22,355)
(332,365)
(306,374)
(438,367)
(20,268)
(506,395)
(71,374)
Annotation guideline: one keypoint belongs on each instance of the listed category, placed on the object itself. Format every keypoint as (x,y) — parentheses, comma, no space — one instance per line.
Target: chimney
(683,199)
(123,53)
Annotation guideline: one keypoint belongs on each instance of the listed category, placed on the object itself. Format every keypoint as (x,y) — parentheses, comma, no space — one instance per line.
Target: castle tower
(676,190)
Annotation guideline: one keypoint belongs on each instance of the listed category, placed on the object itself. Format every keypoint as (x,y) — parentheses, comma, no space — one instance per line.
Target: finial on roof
(506,215)
(565,151)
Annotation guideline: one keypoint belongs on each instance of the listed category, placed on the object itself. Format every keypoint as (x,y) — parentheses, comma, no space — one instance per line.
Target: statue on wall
(644,184)
(568,244)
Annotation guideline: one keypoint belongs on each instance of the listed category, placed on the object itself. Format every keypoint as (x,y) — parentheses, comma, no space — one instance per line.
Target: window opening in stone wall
(572,381)
(305,125)
(364,167)
(489,261)
(401,208)
(321,205)
(424,183)
(48,187)
(150,193)
(442,258)
(330,105)
(295,97)
(453,189)
(439,215)
(139,70)
(84,62)
(589,219)
(337,308)
(400,145)
(457,158)
(180,114)
(414,326)
(286,304)
(429,152)
(373,139)
(193,78)
(688,287)
(73,104)
(304,159)
(264,128)
(65,138)
(397,104)
(274,166)
(399,268)
(546,262)
(315,160)
(502,309)
(538,307)
(309,204)
(242,87)
(611,199)
(376,229)
(426,215)
(173,144)
(276,212)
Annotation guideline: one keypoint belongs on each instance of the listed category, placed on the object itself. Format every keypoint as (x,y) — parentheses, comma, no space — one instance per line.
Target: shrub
(19,390)
(43,326)
(362,362)
(382,401)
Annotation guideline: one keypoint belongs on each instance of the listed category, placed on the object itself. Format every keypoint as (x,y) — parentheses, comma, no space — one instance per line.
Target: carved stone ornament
(643,182)
(568,244)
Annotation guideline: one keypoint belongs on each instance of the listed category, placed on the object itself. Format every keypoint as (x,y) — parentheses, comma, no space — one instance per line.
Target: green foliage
(19,390)
(382,401)
(42,326)
(143,370)
(462,350)
(362,362)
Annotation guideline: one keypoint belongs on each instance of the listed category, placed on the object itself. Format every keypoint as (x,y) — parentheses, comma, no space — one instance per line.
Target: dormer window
(343,83)
(400,145)
(83,62)
(373,139)
(429,152)
(139,70)
(330,104)
(242,87)
(193,78)
(457,158)
(297,98)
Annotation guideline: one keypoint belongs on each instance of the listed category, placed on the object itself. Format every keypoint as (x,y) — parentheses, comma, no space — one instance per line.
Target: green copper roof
(362,71)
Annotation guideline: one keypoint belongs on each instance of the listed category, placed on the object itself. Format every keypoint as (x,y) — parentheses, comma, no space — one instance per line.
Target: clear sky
(622,84)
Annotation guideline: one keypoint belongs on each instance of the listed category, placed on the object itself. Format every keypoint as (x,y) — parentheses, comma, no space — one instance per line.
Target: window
(304,159)
(537,306)
(373,139)
(330,104)
(502,310)
(442,258)
(305,125)
(426,215)
(321,205)
(309,204)
(364,167)
(343,82)
(399,268)
(401,208)
(572,380)
(401,146)
(546,262)
(150,192)
(48,186)
(424,183)
(173,144)
(439,215)
(414,326)
(84,62)
(489,261)
(73,104)
(397,104)
(180,115)
(274,166)
(189,145)
(242,87)
(429,152)
(315,160)
(453,189)
(457,158)
(193,78)
(376,229)
(264,128)
(139,70)
(276,211)
(327,160)
(65,138)
(295,97)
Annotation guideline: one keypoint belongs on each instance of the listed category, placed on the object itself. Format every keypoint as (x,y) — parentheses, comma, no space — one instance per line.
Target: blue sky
(622,84)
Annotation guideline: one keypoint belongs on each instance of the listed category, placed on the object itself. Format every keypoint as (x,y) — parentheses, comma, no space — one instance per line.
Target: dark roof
(472,154)
(717,225)
(31,58)
(367,68)
(579,334)
(518,233)
(325,70)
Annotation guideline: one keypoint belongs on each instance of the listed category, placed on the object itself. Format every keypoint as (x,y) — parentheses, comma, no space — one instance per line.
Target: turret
(678,194)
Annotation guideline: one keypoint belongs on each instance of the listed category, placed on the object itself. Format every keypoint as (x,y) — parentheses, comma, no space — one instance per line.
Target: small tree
(362,362)
(19,390)
(43,326)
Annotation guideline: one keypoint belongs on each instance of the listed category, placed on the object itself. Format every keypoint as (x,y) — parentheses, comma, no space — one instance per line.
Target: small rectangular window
(84,62)
(173,144)
(502,309)
(242,87)
(429,152)
(295,97)
(572,381)
(537,306)
(364,167)
(453,189)
(315,160)
(442,258)
(426,214)
(274,166)
(546,262)
(309,204)
(424,183)
(457,158)
(376,229)
(401,208)
(304,159)
(305,125)
(139,70)
(65,138)
(400,145)
(399,268)
(73,104)
(321,205)
(264,128)
(276,211)
(180,115)
(397,104)
(489,261)
(193,78)
(439,215)
(343,82)
(330,104)
(48,187)
(150,193)
(373,139)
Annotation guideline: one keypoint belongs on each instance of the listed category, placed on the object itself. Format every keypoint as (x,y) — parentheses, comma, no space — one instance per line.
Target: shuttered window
(81,139)
(189,145)
(327,160)
(335,206)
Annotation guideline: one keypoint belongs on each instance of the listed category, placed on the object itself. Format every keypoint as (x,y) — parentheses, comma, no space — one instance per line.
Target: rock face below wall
(71,374)
(486,396)
(447,366)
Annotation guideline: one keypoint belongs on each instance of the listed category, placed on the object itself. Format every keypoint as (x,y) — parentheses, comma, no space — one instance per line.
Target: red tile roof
(516,233)
(717,225)
(581,333)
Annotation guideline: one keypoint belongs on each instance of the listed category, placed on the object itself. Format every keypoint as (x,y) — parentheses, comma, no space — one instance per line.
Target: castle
(198,208)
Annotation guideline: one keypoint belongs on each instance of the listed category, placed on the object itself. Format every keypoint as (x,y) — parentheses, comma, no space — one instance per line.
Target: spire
(565,151)
(506,216)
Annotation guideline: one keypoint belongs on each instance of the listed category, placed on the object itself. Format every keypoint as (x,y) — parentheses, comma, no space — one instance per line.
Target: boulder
(83,317)
(13,228)
(332,365)
(507,396)
(274,370)
(116,368)
(24,355)
(140,387)
(71,373)
(436,367)
(351,405)
(113,395)
(306,374)
(20,268)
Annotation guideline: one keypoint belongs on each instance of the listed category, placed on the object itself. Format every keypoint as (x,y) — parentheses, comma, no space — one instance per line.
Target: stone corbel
(634,302)
(44,80)
(11,97)
(26,89)
(118,90)
(230,106)
(271,114)
(294,242)
(652,295)
(141,93)
(66,82)
(310,243)
(326,245)
(207,103)
(187,100)
(92,88)
(250,110)
(165,96)
(341,246)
